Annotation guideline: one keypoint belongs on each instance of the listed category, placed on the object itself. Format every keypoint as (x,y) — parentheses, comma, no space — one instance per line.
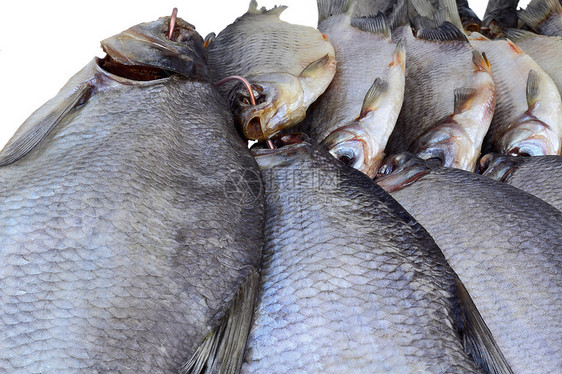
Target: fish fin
(223,350)
(399,15)
(37,130)
(431,15)
(316,75)
(373,97)
(477,338)
(276,10)
(373,24)
(538,11)
(481,61)
(449,12)
(446,32)
(328,8)
(463,99)
(399,56)
(516,35)
(209,39)
(533,86)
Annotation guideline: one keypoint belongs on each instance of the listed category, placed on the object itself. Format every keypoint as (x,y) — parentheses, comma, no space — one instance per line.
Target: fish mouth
(147,46)
(281,144)
(497,166)
(279,105)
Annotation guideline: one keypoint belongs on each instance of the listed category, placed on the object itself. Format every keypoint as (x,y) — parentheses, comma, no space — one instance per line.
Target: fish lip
(147,44)
(286,143)
(102,74)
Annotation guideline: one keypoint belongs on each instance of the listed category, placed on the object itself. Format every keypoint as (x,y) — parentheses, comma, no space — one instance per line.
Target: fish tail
(538,11)
(373,24)
(328,8)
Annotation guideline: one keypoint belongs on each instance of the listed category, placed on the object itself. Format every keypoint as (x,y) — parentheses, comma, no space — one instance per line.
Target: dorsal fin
(37,129)
(477,337)
(447,32)
(516,35)
(538,11)
(276,10)
(328,8)
(373,24)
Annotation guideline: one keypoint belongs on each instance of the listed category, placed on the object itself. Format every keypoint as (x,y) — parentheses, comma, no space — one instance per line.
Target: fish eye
(346,155)
(347,159)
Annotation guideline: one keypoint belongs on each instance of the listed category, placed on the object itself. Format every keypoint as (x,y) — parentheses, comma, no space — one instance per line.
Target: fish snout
(279,105)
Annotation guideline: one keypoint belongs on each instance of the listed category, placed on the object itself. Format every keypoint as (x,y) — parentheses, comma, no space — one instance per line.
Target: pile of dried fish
(138,233)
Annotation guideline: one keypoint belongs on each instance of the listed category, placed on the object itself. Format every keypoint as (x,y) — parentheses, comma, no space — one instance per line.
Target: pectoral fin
(463,99)
(533,86)
(35,129)
(316,77)
(223,350)
(374,96)
(478,339)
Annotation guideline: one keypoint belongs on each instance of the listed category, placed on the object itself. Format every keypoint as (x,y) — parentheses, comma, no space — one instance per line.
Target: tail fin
(328,8)
(538,11)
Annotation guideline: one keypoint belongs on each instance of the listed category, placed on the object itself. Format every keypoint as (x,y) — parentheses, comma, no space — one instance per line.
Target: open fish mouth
(148,45)
(279,105)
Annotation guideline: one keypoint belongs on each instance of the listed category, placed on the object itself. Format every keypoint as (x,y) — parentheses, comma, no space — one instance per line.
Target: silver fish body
(506,247)
(354,118)
(288,66)
(545,50)
(539,175)
(528,115)
(449,98)
(350,282)
(120,250)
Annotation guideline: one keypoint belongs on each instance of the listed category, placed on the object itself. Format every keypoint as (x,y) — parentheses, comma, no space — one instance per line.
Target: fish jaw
(279,105)
(401,170)
(147,44)
(496,166)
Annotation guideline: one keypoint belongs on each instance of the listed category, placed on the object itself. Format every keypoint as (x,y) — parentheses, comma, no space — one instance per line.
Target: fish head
(530,137)
(353,146)
(279,105)
(282,98)
(148,45)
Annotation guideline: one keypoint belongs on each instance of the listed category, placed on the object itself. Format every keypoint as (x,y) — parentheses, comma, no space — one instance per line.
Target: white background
(43,43)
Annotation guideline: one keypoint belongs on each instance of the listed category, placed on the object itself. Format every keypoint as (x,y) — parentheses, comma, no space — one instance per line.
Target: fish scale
(118,245)
(350,283)
(505,246)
